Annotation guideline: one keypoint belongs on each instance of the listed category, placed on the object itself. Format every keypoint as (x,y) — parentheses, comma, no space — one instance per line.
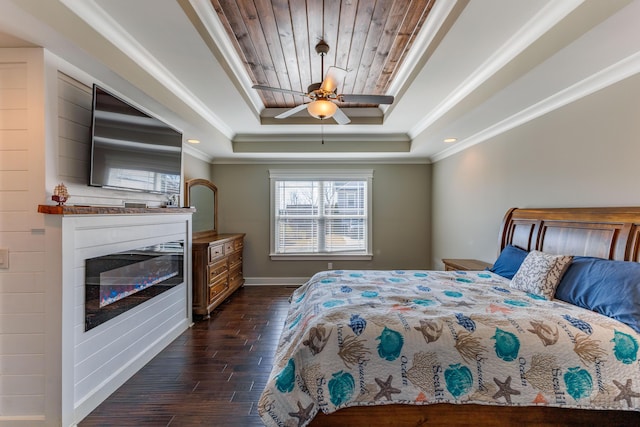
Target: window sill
(320,257)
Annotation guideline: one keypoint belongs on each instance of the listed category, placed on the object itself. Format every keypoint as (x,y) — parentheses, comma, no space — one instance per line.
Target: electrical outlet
(330,266)
(4,258)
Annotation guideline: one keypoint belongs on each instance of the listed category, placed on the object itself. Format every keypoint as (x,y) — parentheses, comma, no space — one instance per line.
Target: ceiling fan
(323,95)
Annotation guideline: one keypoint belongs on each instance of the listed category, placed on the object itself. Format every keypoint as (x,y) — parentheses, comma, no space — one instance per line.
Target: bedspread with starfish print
(354,338)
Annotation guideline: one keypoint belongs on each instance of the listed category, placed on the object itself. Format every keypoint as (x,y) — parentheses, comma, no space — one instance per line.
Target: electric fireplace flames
(118,282)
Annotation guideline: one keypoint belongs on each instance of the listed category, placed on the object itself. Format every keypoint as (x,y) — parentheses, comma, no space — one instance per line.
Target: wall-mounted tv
(132,150)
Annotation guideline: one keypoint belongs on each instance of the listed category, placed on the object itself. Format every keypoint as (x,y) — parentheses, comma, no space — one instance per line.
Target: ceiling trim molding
(597,81)
(103,23)
(436,19)
(209,18)
(541,22)
(194,152)
(334,147)
(394,137)
(405,161)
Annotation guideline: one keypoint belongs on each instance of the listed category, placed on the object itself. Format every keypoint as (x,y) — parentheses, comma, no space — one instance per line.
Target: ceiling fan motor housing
(323,95)
(322,48)
(313,87)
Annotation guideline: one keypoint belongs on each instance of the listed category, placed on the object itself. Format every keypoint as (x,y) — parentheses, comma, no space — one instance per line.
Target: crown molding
(606,77)
(546,18)
(209,19)
(392,137)
(96,17)
(194,152)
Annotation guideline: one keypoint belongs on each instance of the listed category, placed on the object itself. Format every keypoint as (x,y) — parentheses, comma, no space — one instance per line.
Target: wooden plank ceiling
(276,40)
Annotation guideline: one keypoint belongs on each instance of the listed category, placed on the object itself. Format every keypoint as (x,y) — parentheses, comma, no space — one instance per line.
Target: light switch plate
(4,258)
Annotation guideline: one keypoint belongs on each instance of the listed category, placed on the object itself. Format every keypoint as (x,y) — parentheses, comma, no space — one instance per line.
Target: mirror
(201,194)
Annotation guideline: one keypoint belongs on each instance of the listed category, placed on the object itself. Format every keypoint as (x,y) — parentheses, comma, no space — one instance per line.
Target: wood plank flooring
(212,375)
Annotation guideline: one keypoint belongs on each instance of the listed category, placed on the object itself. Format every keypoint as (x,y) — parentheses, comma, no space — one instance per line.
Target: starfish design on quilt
(303,414)
(625,392)
(505,389)
(385,388)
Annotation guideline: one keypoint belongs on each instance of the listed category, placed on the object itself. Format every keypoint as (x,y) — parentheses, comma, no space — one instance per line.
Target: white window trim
(320,174)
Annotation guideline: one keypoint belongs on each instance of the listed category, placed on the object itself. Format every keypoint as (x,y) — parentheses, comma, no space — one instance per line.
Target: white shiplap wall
(23,286)
(51,373)
(96,362)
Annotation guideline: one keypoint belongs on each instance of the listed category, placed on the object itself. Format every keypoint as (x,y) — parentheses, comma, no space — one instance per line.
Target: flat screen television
(131,150)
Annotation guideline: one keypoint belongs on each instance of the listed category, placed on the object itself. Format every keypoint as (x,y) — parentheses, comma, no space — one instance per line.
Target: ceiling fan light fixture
(322,109)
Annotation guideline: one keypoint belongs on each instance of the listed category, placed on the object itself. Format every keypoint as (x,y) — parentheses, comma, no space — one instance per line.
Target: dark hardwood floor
(212,375)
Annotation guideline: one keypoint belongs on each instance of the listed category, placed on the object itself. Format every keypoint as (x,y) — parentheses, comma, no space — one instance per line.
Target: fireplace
(118,282)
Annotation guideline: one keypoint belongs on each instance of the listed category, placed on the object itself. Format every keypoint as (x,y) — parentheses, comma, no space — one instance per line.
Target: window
(321,214)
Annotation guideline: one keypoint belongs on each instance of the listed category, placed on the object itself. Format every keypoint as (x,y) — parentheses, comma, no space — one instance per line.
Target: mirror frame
(189,184)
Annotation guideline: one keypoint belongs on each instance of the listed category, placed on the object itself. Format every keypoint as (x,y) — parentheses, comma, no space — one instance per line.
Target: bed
(412,347)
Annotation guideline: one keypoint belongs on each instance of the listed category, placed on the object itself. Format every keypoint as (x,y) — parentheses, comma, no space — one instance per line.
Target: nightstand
(464,264)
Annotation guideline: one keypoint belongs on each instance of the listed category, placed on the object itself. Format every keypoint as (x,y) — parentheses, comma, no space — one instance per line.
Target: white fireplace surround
(95,363)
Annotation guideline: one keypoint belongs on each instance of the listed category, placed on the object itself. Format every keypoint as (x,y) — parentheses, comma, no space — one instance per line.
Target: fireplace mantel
(107,210)
(89,365)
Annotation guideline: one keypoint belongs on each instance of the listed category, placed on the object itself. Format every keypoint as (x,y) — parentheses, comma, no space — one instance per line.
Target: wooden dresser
(217,270)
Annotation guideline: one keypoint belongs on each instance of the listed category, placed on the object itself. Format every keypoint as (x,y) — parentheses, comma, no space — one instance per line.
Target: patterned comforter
(421,337)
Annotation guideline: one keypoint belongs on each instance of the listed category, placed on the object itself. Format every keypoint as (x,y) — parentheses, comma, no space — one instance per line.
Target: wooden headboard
(611,233)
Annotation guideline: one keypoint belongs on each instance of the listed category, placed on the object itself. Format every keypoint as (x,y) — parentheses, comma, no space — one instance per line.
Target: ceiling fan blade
(367,99)
(291,112)
(341,118)
(277,89)
(334,77)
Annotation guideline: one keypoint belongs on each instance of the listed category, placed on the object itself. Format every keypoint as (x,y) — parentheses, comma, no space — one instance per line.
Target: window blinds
(320,216)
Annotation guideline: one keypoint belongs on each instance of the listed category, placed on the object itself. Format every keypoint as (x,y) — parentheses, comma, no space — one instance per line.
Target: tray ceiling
(468,69)
(276,41)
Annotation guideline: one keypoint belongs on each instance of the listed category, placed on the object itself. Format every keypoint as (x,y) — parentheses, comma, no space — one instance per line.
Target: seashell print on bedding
(579,382)
(357,324)
(459,380)
(376,337)
(341,387)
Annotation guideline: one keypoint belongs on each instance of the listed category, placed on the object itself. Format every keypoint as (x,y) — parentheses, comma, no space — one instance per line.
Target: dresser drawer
(217,288)
(215,251)
(228,247)
(217,270)
(235,259)
(235,276)
(238,244)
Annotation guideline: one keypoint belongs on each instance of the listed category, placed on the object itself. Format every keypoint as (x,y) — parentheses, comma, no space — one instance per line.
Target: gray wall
(584,154)
(401,217)
(195,168)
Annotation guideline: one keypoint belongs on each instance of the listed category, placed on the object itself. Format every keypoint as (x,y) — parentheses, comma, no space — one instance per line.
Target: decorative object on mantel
(60,194)
(173,201)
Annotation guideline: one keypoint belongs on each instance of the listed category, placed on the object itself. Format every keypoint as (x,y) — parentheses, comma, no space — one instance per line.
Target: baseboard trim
(275,281)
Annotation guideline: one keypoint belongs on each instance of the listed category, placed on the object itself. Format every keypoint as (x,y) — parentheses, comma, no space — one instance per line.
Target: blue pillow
(509,261)
(607,287)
